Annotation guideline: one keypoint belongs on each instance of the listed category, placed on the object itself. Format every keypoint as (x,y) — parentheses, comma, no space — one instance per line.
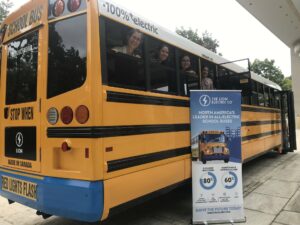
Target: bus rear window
(21,81)
(67,55)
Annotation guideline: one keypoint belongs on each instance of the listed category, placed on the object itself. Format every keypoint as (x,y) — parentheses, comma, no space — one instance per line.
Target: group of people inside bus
(134,39)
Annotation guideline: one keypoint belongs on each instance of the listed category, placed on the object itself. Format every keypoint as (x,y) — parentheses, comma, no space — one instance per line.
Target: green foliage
(5,5)
(190,34)
(206,40)
(267,69)
(287,83)
(209,42)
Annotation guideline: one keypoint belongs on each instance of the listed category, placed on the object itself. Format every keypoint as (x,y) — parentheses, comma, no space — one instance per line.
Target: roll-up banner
(216,153)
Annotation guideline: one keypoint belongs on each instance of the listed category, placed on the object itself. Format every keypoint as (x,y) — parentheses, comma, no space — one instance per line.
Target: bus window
(212,78)
(67,55)
(267,94)
(21,83)
(189,74)
(227,80)
(162,67)
(272,98)
(223,77)
(125,63)
(277,99)
(260,89)
(254,95)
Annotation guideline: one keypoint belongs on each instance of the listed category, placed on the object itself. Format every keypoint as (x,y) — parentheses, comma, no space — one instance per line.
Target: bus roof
(134,20)
(25,18)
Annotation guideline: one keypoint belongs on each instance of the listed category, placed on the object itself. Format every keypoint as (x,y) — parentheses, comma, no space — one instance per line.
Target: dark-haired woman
(134,39)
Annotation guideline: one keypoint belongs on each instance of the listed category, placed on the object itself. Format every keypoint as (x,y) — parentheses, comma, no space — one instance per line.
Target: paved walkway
(271,197)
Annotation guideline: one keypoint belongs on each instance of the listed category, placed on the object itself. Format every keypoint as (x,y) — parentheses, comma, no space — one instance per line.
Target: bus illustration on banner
(213,146)
(210,145)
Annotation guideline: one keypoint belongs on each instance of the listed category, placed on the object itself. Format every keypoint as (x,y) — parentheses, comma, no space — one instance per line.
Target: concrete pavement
(271,197)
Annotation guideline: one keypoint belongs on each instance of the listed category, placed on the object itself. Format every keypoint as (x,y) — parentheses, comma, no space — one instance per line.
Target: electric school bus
(213,146)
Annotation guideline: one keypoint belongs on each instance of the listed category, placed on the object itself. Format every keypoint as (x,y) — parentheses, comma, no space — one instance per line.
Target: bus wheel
(226,160)
(202,158)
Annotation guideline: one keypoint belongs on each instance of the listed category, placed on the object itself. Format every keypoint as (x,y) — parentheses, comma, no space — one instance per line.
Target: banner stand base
(232,222)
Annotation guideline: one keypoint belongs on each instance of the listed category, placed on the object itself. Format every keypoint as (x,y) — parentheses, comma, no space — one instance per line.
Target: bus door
(20,123)
(288,121)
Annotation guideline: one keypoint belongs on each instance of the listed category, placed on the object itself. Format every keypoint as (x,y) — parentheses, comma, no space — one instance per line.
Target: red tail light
(82,114)
(66,115)
(65,146)
(58,8)
(73,5)
(87,153)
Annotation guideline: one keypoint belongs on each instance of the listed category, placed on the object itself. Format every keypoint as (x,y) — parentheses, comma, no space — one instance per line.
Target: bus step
(44,215)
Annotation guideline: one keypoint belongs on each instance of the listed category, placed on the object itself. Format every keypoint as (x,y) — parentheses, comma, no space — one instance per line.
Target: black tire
(203,160)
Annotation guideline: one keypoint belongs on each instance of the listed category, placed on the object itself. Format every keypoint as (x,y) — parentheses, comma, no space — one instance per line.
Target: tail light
(87,153)
(66,115)
(73,5)
(82,114)
(65,146)
(58,8)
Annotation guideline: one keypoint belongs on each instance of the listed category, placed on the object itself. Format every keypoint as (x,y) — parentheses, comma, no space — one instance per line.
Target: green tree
(287,83)
(5,6)
(267,69)
(206,40)
(209,42)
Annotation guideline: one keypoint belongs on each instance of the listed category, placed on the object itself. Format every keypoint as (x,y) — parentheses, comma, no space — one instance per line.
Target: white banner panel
(216,152)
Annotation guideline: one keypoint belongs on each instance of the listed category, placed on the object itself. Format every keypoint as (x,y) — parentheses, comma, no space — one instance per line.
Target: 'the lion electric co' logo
(19,139)
(204,100)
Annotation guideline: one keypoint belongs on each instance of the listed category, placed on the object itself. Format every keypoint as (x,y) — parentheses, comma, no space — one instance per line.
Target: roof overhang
(281,17)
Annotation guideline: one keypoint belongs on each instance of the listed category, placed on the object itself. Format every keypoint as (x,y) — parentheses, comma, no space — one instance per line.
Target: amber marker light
(66,115)
(82,114)
(73,5)
(58,8)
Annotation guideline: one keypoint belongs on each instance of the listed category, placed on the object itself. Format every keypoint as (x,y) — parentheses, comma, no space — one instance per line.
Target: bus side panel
(261,131)
(259,146)
(188,168)
(133,185)
(126,149)
(116,113)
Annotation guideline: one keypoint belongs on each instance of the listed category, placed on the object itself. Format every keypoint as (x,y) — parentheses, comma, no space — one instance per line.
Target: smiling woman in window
(162,55)
(189,77)
(134,39)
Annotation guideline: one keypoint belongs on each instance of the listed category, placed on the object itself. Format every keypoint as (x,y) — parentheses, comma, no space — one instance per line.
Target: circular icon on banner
(204,100)
(19,139)
(208,181)
(229,180)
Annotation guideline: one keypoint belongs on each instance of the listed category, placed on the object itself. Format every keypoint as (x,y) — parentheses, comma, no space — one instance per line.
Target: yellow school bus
(213,146)
(95,108)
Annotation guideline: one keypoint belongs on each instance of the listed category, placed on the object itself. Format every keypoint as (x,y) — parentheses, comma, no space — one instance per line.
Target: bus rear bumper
(73,199)
(216,157)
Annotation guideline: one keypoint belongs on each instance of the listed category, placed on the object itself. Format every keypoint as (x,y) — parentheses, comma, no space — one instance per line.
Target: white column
(295,64)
